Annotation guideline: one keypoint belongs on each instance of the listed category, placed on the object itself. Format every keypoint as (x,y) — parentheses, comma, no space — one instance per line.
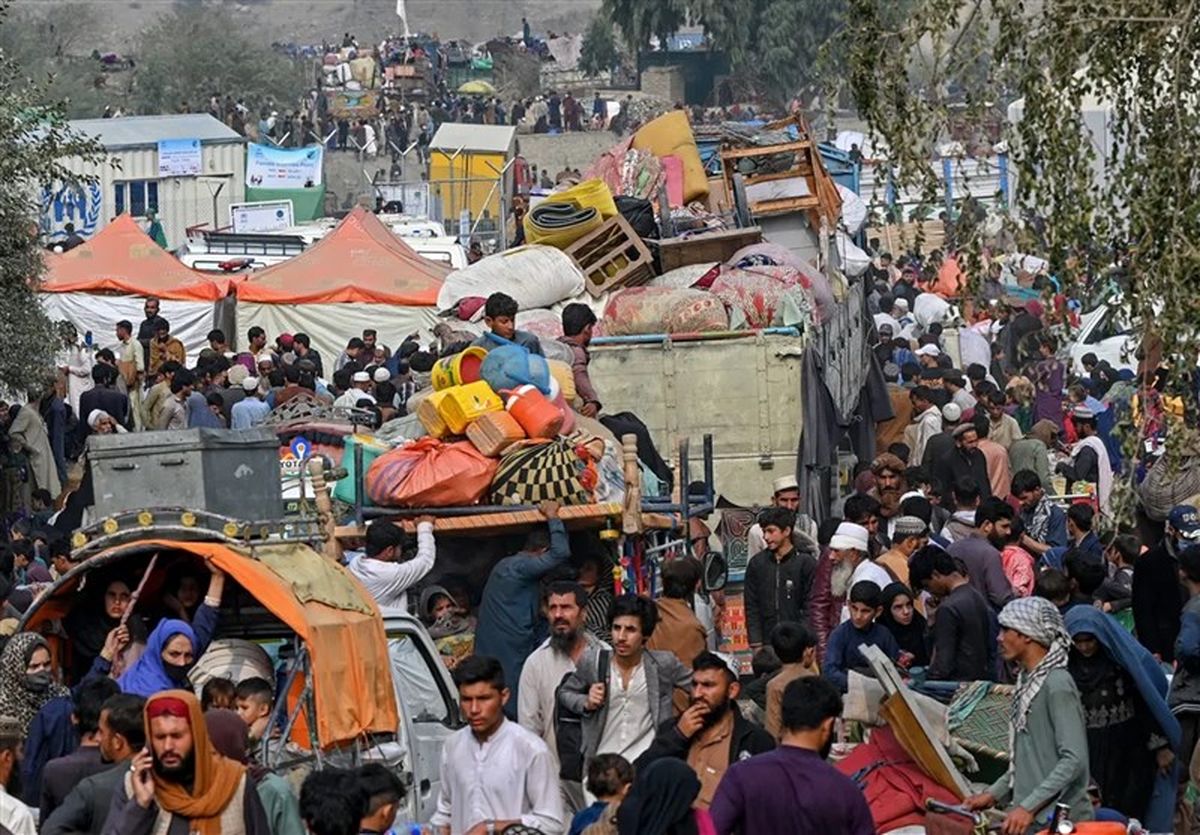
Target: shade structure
(108,278)
(122,259)
(359,261)
(360,275)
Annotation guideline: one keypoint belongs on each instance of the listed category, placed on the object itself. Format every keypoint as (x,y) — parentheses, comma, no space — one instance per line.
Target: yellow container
(458,370)
(593,194)
(562,373)
(460,405)
(430,415)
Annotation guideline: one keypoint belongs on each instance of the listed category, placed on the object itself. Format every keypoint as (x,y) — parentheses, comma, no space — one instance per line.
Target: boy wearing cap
(909,535)
(360,389)
(778,578)
(785,494)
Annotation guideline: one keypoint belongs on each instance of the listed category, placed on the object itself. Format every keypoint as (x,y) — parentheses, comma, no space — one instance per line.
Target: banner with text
(271,167)
(179,158)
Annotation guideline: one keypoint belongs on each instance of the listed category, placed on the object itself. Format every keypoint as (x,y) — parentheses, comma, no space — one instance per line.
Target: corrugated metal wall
(979,178)
(182,201)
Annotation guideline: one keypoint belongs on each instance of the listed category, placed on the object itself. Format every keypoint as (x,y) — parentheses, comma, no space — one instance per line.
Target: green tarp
(307,203)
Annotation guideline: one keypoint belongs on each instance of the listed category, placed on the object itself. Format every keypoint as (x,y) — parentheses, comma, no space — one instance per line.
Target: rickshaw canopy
(316,598)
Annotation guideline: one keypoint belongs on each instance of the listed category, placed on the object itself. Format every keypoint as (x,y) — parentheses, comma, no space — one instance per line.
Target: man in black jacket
(711,734)
(778,579)
(1158,596)
(122,734)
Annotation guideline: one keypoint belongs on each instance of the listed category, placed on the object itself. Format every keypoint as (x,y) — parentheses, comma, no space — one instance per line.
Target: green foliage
(1127,215)
(34,140)
(778,46)
(640,20)
(598,53)
(199,50)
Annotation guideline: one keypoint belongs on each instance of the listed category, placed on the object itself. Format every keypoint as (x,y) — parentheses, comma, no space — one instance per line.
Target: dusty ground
(310,21)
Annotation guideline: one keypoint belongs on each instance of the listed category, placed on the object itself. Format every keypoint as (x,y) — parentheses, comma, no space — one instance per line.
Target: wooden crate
(899,238)
(612,255)
(706,248)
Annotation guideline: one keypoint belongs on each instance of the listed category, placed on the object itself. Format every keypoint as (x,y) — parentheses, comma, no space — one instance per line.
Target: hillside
(310,21)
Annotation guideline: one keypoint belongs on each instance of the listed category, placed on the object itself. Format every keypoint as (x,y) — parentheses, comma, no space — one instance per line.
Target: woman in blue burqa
(1132,735)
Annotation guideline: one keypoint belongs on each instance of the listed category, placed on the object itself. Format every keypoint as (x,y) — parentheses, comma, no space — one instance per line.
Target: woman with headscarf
(26,678)
(906,624)
(89,630)
(170,653)
(1132,734)
(228,734)
(660,802)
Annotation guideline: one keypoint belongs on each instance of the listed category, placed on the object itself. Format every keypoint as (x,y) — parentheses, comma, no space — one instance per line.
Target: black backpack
(568,727)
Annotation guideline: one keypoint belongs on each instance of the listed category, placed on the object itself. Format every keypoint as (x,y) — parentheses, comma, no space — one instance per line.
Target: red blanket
(894,785)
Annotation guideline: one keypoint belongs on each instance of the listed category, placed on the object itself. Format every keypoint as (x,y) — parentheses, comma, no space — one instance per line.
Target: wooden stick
(137,593)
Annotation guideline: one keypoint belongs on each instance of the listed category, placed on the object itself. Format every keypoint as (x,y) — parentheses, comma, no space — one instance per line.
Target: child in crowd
(218,694)
(609,777)
(384,793)
(843,653)
(796,647)
(254,698)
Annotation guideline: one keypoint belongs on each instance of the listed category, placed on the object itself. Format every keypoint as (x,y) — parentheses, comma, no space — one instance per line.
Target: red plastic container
(537,415)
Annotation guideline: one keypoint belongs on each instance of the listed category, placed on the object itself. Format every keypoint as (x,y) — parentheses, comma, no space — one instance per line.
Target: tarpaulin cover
(348,647)
(359,261)
(429,473)
(121,258)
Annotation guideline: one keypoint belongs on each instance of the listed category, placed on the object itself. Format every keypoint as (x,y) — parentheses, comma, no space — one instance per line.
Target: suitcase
(460,406)
(494,432)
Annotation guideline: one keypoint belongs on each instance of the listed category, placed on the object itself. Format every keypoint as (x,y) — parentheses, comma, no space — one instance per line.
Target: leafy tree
(640,20)
(1125,216)
(196,51)
(34,142)
(598,53)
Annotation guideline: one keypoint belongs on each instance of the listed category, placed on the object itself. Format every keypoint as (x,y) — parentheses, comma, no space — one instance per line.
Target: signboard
(271,167)
(261,216)
(179,158)
(413,197)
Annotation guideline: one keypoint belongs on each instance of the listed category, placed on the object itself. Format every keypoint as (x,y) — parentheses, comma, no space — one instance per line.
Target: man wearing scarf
(1048,738)
(181,785)
(890,484)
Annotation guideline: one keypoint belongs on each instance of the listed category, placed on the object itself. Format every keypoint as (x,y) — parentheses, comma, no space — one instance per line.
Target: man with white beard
(849,547)
(565,606)
(830,586)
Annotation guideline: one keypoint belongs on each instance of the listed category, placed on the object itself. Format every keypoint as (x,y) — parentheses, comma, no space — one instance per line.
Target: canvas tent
(359,275)
(107,279)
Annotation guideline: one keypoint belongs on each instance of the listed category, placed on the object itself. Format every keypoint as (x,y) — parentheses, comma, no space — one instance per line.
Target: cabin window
(136,197)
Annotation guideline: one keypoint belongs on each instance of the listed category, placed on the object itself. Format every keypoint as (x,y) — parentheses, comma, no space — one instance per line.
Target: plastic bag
(511,366)
(430,473)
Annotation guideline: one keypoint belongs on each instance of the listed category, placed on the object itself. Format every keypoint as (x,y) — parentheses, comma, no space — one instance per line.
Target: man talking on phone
(179,784)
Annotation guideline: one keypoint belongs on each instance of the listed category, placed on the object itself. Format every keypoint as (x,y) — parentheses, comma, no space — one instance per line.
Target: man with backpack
(622,703)
(564,603)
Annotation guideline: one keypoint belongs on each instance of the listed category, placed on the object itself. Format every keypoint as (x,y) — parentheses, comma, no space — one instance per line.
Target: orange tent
(359,261)
(122,259)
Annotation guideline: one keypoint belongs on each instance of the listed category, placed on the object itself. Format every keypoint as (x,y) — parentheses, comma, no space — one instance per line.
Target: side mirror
(716,571)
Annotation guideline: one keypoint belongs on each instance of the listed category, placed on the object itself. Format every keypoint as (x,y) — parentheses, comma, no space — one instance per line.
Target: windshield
(417,687)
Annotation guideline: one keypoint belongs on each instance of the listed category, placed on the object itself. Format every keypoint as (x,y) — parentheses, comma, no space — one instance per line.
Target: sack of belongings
(650,310)
(538,471)
(430,473)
